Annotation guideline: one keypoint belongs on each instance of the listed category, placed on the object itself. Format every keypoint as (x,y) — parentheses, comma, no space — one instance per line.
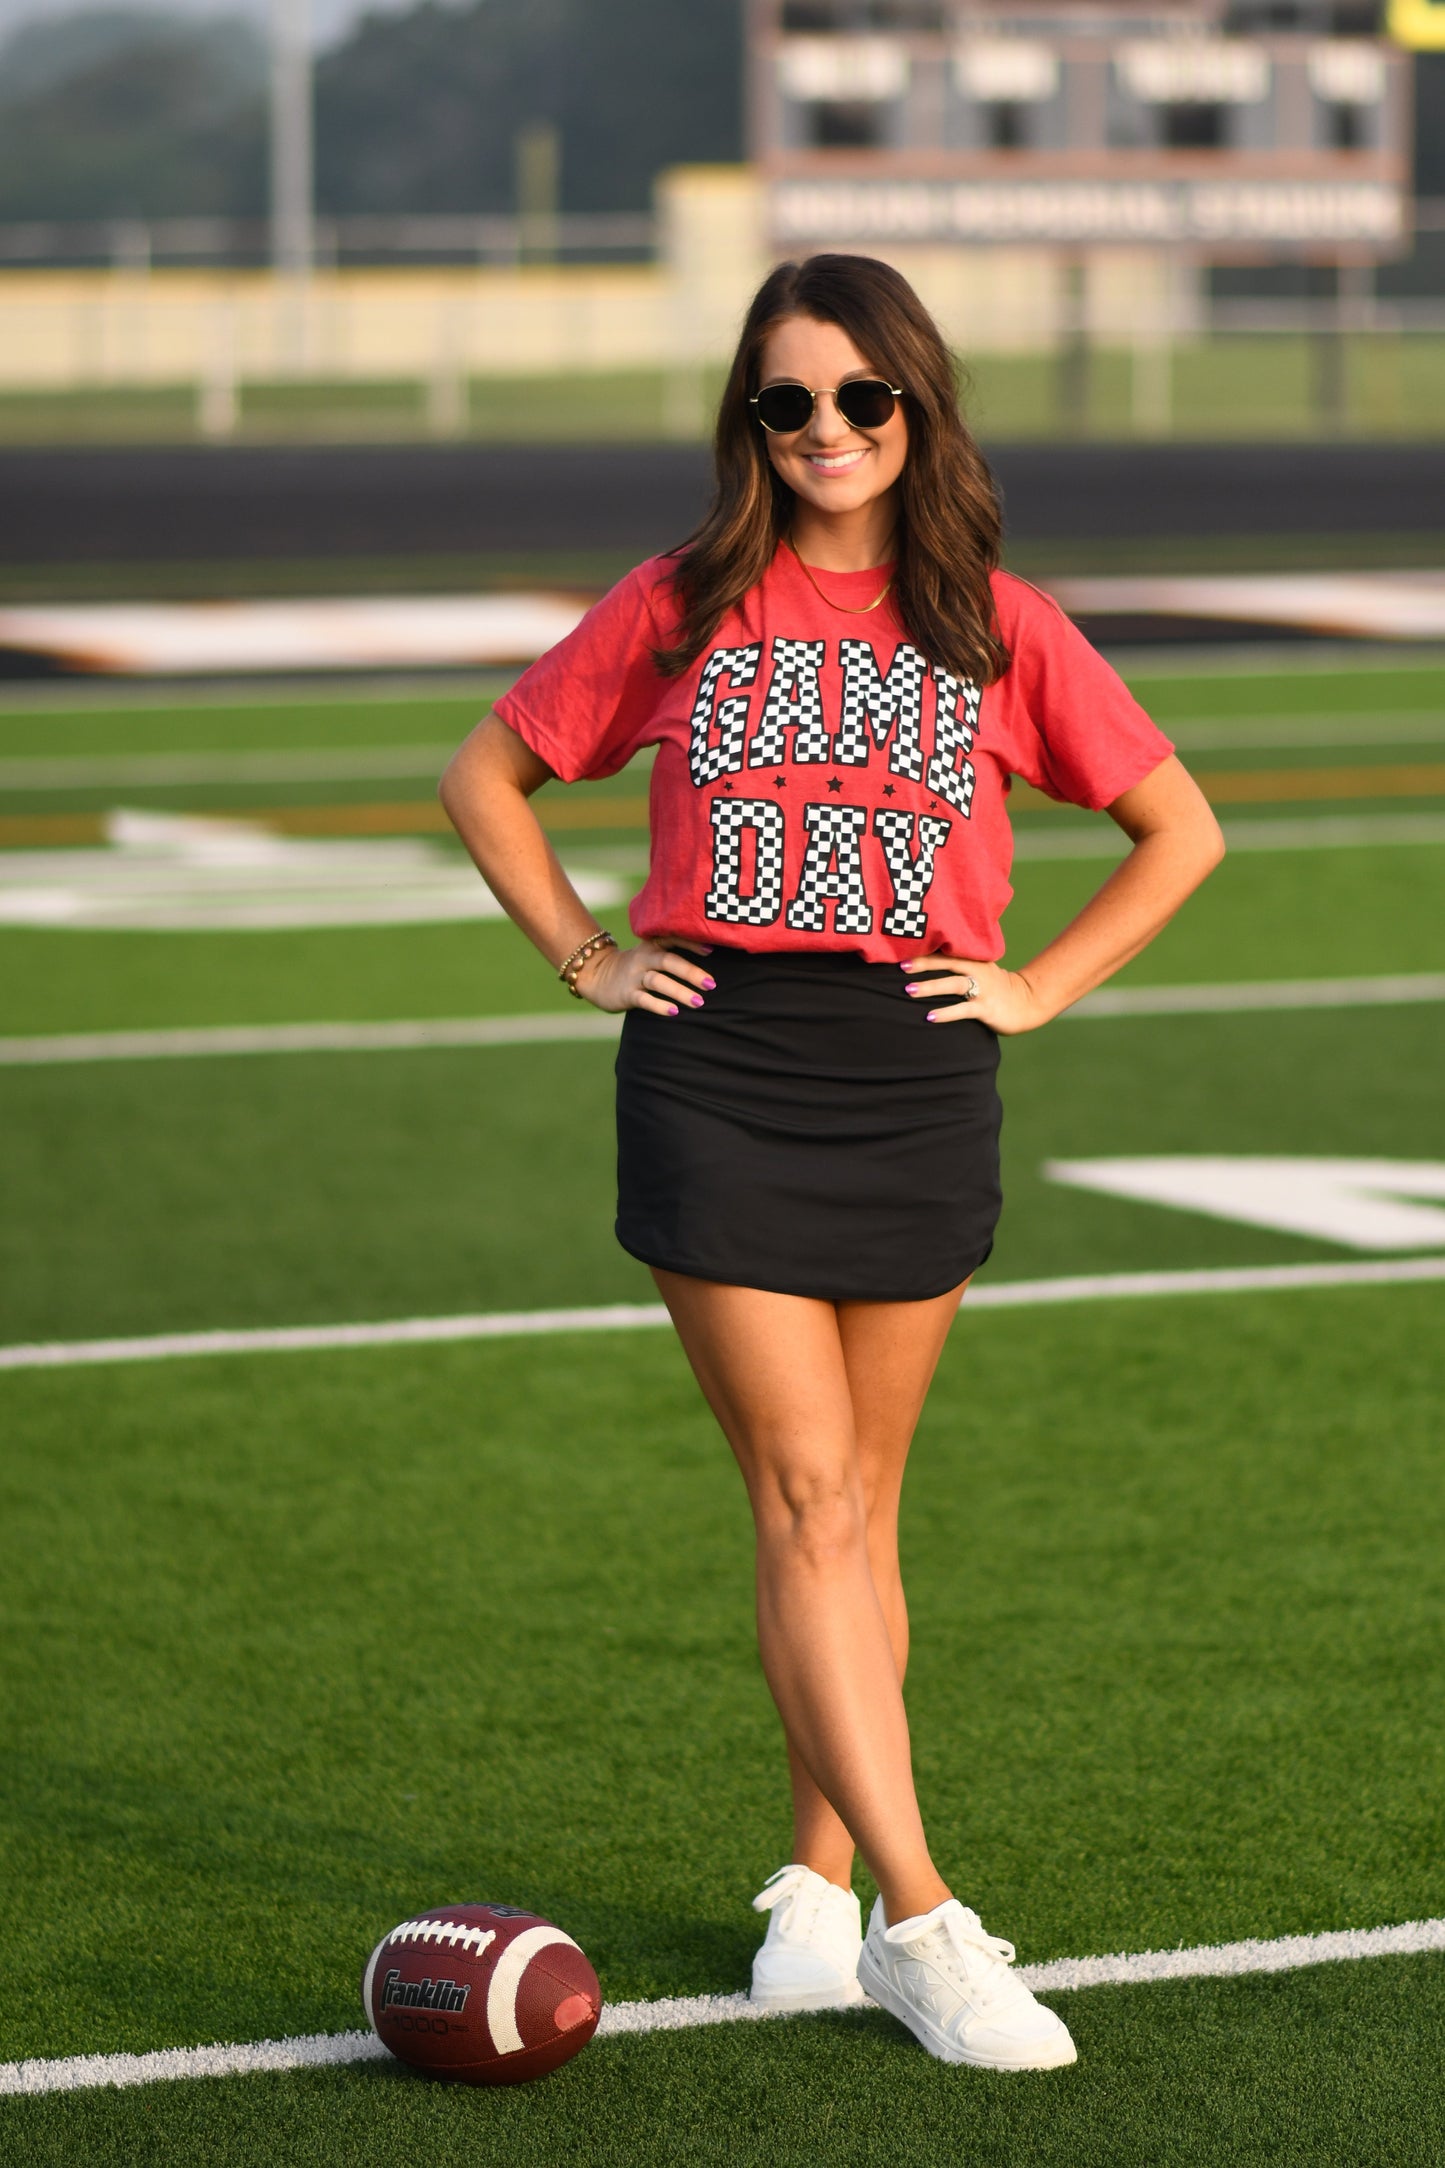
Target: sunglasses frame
(792,384)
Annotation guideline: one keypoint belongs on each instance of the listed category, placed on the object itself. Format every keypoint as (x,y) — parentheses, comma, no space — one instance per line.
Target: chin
(843,496)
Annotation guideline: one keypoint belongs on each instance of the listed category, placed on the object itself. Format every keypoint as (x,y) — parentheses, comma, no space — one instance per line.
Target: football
(486,1994)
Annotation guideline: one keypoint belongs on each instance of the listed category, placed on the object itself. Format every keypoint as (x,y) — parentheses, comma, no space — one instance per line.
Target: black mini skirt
(808,1131)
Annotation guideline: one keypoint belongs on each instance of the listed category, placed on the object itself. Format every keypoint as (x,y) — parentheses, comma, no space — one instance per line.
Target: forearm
(1136,902)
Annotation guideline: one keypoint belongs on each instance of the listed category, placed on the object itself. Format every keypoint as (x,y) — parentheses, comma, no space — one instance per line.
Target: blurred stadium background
(343,358)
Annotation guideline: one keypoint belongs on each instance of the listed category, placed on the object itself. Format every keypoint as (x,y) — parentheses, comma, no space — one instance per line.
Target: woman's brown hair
(950,528)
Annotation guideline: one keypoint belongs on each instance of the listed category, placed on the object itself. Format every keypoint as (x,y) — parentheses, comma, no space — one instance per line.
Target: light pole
(292,239)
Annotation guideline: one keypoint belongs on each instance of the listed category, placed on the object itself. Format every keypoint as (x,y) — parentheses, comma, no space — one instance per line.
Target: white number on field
(1364,1204)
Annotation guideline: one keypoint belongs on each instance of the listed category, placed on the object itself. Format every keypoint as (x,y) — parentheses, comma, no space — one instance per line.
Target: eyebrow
(850,377)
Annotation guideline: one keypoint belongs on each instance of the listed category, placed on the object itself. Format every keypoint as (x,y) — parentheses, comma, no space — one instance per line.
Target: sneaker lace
(797,1884)
(974,1960)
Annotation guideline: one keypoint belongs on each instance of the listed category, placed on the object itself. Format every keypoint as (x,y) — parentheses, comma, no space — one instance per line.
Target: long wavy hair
(950,525)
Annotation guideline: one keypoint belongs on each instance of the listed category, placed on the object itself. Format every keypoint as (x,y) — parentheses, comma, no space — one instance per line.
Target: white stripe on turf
(211,1040)
(639,1316)
(1224,1960)
(1225,1000)
(1323,832)
(224,1039)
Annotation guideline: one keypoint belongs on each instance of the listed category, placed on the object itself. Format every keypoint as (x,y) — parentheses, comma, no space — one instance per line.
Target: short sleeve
(1086,739)
(586,706)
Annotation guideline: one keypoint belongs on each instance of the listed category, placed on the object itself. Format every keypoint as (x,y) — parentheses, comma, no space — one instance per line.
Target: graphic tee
(817,784)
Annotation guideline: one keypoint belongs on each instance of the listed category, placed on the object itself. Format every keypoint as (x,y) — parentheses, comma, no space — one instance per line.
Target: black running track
(158,505)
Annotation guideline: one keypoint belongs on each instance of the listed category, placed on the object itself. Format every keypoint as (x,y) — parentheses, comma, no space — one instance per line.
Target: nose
(828,426)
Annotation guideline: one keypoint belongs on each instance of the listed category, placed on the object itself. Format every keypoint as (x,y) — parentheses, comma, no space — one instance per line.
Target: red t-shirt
(817,785)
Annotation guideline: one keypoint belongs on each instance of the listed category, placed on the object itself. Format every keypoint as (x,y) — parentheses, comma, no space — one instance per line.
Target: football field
(298,1640)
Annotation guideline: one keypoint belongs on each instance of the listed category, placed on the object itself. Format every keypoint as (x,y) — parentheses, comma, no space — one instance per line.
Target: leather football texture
(485,1994)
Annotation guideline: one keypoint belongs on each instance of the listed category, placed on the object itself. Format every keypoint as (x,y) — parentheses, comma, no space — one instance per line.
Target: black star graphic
(932,803)
(727,786)
(780,782)
(835,782)
(890,790)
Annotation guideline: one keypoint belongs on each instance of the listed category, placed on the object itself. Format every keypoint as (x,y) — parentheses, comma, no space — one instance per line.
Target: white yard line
(645,1316)
(360,763)
(1225,1000)
(287,764)
(1372,727)
(1320,832)
(1211,1961)
(227,1039)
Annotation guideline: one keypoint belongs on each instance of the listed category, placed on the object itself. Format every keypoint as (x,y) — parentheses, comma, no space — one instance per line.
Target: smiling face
(832,467)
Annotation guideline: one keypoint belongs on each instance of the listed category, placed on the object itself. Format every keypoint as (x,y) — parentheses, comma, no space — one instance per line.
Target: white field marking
(334,632)
(211,1040)
(1210,1961)
(507,1978)
(191,873)
(227,1039)
(1246,994)
(1270,659)
(1364,1204)
(1369,605)
(362,763)
(646,1316)
(1373,726)
(319,764)
(95,699)
(286,1339)
(1321,832)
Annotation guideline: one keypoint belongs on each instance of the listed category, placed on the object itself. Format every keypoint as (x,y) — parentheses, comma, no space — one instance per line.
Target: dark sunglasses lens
(785,407)
(867,402)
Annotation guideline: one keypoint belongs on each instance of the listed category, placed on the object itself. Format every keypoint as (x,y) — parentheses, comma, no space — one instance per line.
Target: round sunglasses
(864,401)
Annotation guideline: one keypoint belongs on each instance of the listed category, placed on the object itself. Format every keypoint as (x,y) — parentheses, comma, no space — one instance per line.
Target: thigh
(772,1370)
(890,1352)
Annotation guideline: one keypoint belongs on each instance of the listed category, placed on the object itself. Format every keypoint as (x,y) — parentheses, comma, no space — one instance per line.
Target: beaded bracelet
(571,970)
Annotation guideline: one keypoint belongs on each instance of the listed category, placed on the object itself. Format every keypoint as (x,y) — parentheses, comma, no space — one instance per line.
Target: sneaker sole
(1049,2056)
(846,1996)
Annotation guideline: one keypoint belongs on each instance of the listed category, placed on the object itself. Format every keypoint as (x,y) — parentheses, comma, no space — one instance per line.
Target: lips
(834,462)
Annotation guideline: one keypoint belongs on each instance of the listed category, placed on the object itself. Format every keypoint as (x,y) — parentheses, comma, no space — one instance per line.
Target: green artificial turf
(290,1645)
(1322,683)
(153,1197)
(1324,2069)
(258,721)
(310,1641)
(1286,914)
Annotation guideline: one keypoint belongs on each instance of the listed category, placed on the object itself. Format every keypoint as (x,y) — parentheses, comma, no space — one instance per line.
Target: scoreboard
(1073,125)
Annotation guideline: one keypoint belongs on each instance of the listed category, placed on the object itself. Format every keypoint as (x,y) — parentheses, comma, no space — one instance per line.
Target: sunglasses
(864,401)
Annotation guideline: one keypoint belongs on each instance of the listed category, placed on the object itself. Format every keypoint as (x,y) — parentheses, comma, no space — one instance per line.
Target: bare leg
(776,1372)
(890,1351)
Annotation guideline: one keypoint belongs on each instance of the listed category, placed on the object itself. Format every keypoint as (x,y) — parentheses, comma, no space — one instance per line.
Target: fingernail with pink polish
(932,1016)
(711,985)
(672,1008)
(696,1000)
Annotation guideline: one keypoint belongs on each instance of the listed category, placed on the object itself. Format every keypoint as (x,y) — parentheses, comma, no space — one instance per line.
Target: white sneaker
(810,1958)
(949,1983)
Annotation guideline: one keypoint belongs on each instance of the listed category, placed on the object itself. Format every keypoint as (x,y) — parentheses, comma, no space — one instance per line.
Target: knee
(817,1515)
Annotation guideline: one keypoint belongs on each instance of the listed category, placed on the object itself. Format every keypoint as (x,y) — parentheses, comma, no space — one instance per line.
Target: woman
(839,684)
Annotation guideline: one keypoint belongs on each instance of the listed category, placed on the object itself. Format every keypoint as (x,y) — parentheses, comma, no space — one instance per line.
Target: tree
(132,115)
(420,112)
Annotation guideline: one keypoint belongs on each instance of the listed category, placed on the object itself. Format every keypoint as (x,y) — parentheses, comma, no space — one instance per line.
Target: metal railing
(132,244)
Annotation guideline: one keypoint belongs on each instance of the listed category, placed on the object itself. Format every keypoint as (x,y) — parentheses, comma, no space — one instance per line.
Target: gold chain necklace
(847,608)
